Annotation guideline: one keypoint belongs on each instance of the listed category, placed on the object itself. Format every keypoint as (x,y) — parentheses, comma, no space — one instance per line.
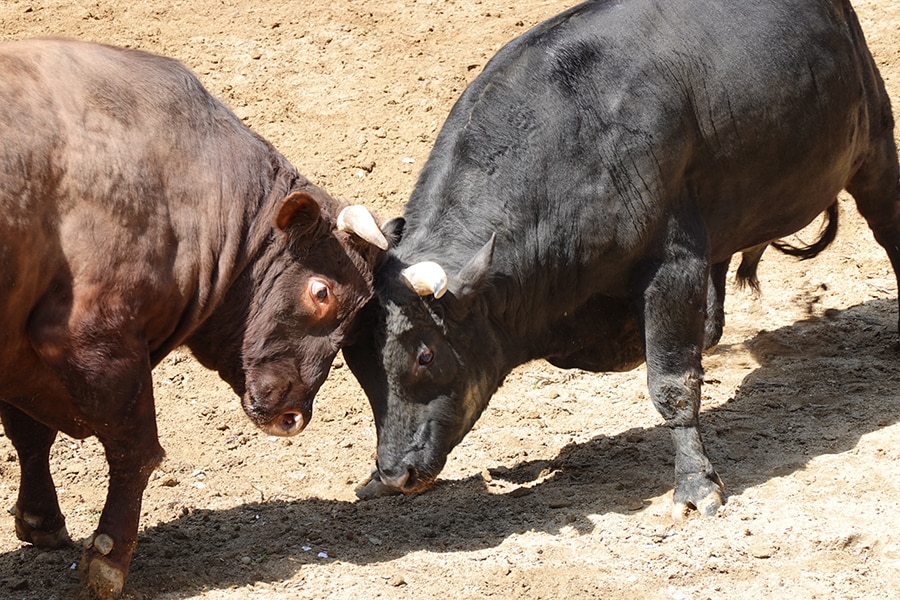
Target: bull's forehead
(405,313)
(408,315)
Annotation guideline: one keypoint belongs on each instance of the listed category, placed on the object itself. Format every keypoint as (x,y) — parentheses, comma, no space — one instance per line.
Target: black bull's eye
(426,356)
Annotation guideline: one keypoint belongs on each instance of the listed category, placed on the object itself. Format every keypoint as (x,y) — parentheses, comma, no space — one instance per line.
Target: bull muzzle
(278,411)
(288,423)
(405,479)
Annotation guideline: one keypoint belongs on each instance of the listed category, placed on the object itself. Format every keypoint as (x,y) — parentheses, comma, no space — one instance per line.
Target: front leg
(132,451)
(674,303)
(38,518)
(107,373)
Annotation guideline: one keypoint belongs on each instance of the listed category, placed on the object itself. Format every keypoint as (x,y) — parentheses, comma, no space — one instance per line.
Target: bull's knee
(677,398)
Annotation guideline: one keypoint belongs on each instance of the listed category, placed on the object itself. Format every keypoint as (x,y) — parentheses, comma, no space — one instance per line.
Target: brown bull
(137,214)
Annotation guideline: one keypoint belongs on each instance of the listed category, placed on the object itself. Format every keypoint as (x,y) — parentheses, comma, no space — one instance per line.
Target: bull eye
(318,290)
(426,357)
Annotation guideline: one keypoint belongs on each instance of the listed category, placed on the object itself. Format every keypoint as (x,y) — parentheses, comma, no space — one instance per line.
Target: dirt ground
(563,489)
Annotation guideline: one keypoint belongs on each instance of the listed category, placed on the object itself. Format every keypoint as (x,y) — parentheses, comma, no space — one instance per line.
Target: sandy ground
(563,489)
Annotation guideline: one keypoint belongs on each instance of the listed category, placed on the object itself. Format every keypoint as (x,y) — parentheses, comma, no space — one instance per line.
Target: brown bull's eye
(319,291)
(426,356)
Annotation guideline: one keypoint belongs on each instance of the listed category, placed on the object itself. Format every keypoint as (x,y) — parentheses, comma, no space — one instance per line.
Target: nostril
(290,422)
(398,479)
(411,475)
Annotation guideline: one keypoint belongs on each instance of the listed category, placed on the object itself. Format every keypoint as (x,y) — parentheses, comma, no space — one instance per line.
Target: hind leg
(39,520)
(876,189)
(715,306)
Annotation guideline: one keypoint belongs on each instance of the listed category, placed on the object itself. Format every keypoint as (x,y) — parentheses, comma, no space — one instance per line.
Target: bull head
(442,360)
(301,319)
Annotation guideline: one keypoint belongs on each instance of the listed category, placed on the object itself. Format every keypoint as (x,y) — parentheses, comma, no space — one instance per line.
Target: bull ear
(393,230)
(299,212)
(472,276)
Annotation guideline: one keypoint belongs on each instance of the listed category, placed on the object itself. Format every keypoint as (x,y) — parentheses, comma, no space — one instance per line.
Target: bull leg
(108,375)
(113,392)
(38,518)
(715,306)
(132,451)
(673,311)
(876,189)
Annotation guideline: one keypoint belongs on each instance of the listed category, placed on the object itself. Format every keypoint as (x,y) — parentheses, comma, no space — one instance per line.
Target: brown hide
(137,214)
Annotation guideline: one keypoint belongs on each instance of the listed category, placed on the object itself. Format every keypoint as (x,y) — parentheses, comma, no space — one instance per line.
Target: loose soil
(563,488)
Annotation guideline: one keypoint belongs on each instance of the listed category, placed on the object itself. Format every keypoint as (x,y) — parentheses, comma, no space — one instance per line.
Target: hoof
(34,530)
(709,506)
(698,492)
(103,580)
(102,543)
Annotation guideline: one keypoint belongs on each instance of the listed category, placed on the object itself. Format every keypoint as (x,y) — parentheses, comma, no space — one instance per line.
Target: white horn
(425,278)
(358,220)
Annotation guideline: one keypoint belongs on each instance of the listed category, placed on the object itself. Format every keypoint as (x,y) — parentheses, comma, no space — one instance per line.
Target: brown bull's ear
(299,212)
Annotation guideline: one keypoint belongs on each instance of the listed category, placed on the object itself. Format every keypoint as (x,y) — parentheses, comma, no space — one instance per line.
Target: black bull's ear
(393,230)
(471,277)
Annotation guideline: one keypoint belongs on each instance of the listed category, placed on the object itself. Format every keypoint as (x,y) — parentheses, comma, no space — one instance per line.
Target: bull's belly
(46,399)
(602,335)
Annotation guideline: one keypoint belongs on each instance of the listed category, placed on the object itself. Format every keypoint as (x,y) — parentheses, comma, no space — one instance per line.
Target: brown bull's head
(284,324)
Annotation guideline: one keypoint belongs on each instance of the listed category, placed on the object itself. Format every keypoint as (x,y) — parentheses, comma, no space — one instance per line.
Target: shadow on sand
(812,395)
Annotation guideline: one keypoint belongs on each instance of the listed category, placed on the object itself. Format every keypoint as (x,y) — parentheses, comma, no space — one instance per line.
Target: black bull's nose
(397,477)
(405,479)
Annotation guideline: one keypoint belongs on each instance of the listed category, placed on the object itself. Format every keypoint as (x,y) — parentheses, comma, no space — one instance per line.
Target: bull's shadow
(812,395)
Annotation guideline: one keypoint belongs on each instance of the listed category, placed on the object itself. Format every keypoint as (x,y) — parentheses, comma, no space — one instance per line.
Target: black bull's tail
(746,273)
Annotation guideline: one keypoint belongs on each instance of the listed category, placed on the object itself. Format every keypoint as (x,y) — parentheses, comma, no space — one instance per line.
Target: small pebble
(761,550)
(637,505)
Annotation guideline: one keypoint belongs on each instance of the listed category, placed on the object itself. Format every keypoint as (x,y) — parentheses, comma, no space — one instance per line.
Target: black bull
(589,184)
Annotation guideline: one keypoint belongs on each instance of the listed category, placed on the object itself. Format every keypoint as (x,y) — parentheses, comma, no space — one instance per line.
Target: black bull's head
(429,361)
